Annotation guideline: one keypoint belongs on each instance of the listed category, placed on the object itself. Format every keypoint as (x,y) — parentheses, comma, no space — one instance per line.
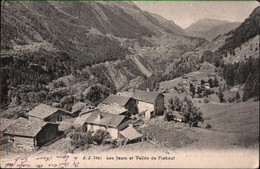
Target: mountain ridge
(89,40)
(210,28)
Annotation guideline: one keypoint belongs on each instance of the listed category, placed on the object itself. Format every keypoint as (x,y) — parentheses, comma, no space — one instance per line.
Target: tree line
(246,73)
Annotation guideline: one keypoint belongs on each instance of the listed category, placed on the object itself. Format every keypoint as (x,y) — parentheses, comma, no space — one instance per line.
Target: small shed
(31,133)
(131,134)
(48,113)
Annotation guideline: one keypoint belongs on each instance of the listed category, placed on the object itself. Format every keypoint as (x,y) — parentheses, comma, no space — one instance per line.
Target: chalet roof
(125,93)
(113,108)
(107,119)
(121,100)
(42,111)
(6,123)
(130,133)
(78,107)
(80,120)
(145,96)
(25,127)
(64,125)
(88,109)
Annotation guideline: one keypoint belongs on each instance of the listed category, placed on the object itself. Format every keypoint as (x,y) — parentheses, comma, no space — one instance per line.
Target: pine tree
(248,88)
(216,83)
(230,75)
(210,83)
(220,95)
(242,73)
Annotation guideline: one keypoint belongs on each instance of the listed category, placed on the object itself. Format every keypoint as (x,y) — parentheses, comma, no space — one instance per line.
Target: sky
(184,13)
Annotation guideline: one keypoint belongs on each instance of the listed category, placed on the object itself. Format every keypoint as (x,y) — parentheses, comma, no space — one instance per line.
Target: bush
(199,95)
(191,113)
(80,139)
(231,100)
(208,126)
(100,136)
(206,100)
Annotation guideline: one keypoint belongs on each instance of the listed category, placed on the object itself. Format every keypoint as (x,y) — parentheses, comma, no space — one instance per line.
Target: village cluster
(114,115)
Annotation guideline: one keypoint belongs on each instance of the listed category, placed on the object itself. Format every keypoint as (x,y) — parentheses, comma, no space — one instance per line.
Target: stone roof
(64,125)
(125,93)
(43,111)
(25,127)
(121,100)
(6,123)
(78,107)
(113,108)
(145,96)
(105,119)
(130,133)
(80,120)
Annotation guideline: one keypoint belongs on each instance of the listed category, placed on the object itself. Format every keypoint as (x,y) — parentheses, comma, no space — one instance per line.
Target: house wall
(113,131)
(48,133)
(143,106)
(18,140)
(159,105)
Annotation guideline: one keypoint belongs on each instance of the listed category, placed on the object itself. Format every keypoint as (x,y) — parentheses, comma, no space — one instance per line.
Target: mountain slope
(107,43)
(246,31)
(210,28)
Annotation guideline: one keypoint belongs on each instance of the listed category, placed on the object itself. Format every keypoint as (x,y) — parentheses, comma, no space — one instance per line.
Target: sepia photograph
(129,84)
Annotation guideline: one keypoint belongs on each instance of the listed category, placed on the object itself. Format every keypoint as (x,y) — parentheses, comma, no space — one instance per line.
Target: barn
(110,122)
(49,114)
(130,134)
(31,133)
(127,102)
(151,103)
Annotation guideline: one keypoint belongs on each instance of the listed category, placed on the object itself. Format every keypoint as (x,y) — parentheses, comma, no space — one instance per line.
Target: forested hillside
(105,45)
(238,56)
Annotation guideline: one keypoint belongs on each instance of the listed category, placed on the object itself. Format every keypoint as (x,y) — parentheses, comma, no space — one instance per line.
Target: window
(11,138)
(59,118)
